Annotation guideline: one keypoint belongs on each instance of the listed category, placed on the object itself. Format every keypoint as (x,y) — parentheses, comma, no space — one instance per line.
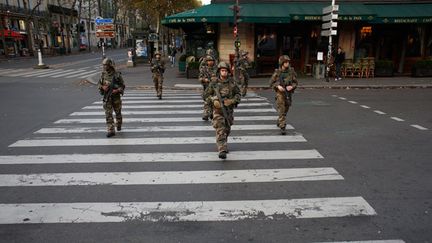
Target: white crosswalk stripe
(74,142)
(184,211)
(48,73)
(60,130)
(158,157)
(170,177)
(163,119)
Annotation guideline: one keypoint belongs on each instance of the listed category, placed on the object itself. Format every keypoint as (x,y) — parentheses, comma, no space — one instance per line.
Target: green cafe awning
(218,13)
(267,13)
(287,12)
(402,13)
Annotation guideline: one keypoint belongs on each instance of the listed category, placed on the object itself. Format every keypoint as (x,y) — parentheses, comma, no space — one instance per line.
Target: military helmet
(108,62)
(158,53)
(209,58)
(283,58)
(224,65)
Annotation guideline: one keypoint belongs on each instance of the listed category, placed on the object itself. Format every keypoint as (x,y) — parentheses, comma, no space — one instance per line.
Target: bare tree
(30,18)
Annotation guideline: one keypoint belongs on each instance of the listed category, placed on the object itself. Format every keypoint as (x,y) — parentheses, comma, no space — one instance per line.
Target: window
(413,42)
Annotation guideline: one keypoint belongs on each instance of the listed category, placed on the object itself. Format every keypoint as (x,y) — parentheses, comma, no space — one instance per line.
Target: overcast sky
(205,2)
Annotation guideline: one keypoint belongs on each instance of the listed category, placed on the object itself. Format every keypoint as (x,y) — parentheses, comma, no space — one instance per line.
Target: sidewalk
(140,77)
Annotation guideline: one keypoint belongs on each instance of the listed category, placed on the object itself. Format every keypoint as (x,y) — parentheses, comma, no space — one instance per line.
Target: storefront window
(266,45)
(413,43)
(22,25)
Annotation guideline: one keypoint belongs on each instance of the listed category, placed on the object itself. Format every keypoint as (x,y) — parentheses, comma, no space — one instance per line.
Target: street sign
(329,17)
(330,9)
(328,32)
(105,27)
(329,25)
(105,34)
(153,37)
(103,21)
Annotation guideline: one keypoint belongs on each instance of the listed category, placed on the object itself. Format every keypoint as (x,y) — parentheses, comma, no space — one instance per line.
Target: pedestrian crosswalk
(49,73)
(188,153)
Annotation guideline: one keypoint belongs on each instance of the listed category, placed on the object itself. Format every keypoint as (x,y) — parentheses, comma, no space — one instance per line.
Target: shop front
(268,30)
(14,44)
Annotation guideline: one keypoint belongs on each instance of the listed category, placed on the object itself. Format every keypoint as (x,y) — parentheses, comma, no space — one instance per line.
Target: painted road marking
(154,141)
(204,127)
(158,157)
(397,119)
(99,107)
(165,119)
(166,112)
(419,127)
(379,112)
(99,212)
(170,177)
(189,100)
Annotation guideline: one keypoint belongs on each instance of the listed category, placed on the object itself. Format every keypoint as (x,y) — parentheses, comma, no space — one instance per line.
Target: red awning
(12,34)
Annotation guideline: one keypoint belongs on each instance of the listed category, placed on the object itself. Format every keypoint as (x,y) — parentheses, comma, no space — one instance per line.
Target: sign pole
(327,72)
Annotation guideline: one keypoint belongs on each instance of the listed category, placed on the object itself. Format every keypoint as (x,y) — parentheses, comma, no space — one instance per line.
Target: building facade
(26,25)
(400,31)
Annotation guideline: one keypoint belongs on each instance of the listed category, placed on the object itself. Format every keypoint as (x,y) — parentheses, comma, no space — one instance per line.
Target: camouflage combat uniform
(158,68)
(229,91)
(283,77)
(114,101)
(207,73)
(244,76)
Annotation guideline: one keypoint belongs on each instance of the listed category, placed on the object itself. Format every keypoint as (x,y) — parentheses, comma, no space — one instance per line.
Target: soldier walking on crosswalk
(244,76)
(111,86)
(207,73)
(224,94)
(158,68)
(283,82)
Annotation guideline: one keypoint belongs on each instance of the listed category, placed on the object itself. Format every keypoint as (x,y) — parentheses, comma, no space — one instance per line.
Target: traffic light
(236,12)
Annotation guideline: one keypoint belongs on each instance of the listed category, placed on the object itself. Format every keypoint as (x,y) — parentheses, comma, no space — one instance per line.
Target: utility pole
(330,16)
(236,10)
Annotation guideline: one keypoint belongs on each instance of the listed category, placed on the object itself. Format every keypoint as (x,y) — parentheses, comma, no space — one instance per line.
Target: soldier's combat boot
(222,155)
(160,97)
(110,134)
(283,131)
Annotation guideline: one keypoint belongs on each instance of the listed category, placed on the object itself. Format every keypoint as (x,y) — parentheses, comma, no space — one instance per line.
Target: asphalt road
(377,141)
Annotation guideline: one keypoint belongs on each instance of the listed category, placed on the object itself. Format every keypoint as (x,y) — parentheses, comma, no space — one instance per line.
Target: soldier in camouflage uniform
(207,73)
(225,87)
(283,82)
(158,68)
(111,86)
(244,76)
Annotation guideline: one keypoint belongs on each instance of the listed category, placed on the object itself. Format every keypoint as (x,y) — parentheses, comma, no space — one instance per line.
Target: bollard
(130,61)
(40,65)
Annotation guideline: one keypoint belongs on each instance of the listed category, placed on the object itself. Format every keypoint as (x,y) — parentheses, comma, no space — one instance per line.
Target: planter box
(421,72)
(384,72)
(192,73)
(182,66)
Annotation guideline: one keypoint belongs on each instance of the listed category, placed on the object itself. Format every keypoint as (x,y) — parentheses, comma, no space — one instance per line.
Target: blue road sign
(104,21)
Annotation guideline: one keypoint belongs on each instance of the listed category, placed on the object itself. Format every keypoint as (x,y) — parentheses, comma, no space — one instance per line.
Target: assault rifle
(224,112)
(288,94)
(113,85)
(159,68)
